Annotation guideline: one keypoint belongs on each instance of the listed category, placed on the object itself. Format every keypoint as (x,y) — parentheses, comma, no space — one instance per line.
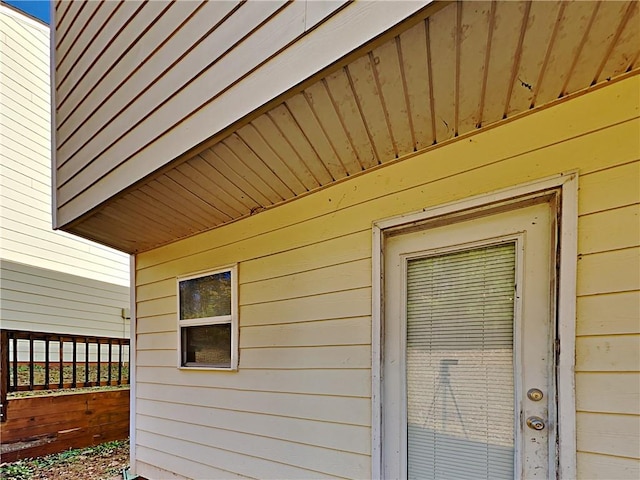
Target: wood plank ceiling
(469,65)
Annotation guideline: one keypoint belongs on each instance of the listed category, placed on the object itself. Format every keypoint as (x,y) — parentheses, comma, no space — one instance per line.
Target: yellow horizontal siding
(346,331)
(608,392)
(312,357)
(226,460)
(157,306)
(344,276)
(608,309)
(157,358)
(613,187)
(344,410)
(304,273)
(278,358)
(332,332)
(622,226)
(338,382)
(288,455)
(607,272)
(609,434)
(151,291)
(160,323)
(608,467)
(156,341)
(339,250)
(326,306)
(329,435)
(614,353)
(148,467)
(613,313)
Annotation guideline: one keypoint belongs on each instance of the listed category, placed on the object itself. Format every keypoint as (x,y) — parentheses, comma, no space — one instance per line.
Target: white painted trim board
(133,352)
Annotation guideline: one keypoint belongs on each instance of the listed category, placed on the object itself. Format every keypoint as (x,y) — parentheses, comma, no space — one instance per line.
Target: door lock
(535,423)
(535,394)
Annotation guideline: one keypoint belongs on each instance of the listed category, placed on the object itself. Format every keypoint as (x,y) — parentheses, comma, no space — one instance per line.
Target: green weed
(19,470)
(26,469)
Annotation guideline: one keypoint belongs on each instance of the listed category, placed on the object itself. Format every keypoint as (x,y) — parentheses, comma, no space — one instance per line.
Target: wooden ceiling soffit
(444,73)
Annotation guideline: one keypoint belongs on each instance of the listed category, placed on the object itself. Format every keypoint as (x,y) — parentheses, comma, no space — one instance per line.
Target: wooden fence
(26,362)
(41,424)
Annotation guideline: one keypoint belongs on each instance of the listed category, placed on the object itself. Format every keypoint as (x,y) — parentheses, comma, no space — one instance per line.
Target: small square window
(207,320)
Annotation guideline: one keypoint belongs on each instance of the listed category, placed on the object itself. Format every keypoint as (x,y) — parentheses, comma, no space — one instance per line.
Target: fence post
(4,373)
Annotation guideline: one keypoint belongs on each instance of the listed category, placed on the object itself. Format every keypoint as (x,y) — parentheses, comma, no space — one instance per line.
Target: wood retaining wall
(41,425)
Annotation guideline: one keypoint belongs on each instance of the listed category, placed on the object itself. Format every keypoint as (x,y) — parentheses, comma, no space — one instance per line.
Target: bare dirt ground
(101,462)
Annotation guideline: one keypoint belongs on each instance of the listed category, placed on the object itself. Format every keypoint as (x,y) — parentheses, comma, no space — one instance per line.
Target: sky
(36,8)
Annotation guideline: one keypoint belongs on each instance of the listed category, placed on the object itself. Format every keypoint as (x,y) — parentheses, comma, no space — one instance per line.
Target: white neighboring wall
(50,281)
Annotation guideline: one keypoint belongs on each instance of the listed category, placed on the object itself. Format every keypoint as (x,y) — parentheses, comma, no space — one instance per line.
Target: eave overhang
(443,74)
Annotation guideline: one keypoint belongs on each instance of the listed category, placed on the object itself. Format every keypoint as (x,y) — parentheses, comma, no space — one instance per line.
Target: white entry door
(468,385)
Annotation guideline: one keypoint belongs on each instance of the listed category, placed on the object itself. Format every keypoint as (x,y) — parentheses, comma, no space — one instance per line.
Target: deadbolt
(535,394)
(535,423)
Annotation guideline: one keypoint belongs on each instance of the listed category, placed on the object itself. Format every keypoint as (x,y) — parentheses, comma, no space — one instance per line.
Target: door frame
(565,187)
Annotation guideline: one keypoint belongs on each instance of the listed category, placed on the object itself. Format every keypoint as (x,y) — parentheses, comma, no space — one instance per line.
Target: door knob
(536,423)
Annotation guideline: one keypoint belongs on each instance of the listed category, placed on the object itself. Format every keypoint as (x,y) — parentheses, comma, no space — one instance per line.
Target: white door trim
(133,353)
(566,305)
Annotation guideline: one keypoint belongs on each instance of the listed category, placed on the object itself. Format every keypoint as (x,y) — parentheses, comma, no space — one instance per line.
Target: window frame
(218,320)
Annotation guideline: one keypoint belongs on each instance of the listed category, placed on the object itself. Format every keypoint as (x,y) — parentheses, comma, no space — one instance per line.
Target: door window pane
(459,363)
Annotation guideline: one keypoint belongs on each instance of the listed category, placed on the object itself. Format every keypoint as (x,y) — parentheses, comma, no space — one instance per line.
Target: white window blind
(459,364)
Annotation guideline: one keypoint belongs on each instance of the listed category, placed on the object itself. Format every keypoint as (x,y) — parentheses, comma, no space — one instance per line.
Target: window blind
(459,364)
